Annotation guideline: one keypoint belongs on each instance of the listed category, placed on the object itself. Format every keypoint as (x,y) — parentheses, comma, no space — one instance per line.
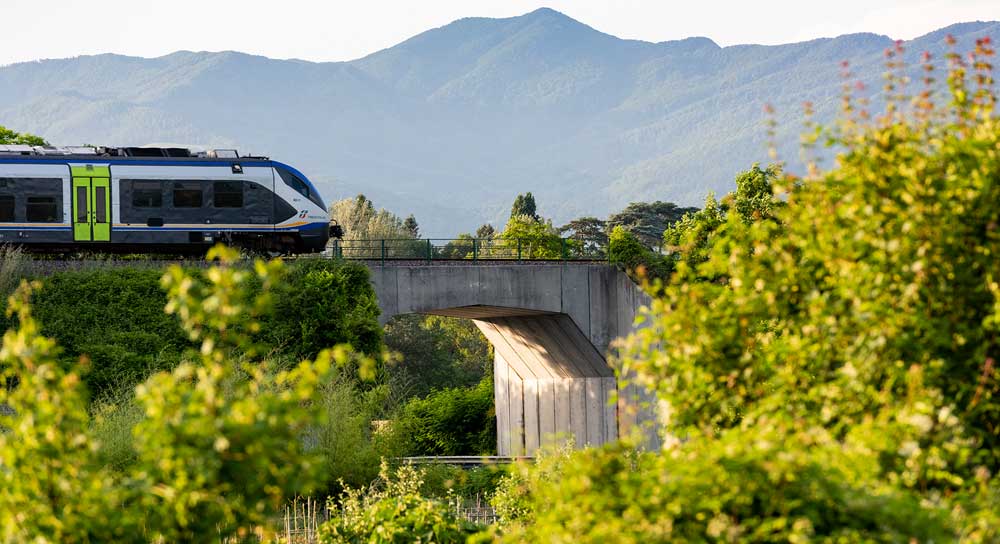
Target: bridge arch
(551,326)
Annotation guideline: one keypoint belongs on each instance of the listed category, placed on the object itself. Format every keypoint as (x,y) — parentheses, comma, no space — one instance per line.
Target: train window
(7,208)
(147,194)
(300,186)
(227,194)
(187,195)
(42,209)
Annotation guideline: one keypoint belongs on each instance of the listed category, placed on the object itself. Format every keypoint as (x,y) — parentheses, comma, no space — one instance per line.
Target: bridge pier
(551,326)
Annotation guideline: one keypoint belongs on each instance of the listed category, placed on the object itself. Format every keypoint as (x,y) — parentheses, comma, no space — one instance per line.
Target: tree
(362,221)
(486,232)
(754,197)
(531,238)
(690,238)
(648,220)
(410,226)
(590,232)
(9,137)
(524,206)
(437,352)
(370,231)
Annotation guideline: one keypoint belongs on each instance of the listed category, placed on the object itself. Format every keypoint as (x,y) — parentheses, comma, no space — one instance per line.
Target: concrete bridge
(551,326)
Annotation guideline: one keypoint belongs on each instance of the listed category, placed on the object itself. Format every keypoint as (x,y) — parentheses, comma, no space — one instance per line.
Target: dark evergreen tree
(648,220)
(486,232)
(524,205)
(410,226)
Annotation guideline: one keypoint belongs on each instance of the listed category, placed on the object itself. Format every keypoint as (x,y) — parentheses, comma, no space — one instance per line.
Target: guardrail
(465,460)
(464,249)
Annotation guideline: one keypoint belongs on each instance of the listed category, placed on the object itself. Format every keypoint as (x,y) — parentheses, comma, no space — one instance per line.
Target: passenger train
(156,200)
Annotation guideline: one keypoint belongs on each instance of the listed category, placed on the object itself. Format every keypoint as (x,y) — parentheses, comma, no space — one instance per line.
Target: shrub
(50,487)
(348,441)
(743,487)
(218,447)
(437,352)
(858,331)
(114,316)
(393,513)
(639,261)
(323,303)
(456,421)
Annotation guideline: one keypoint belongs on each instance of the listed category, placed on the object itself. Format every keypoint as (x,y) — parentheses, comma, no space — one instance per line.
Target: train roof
(122,154)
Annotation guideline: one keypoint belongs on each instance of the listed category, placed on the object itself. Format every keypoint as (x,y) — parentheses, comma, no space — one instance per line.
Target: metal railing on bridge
(468,249)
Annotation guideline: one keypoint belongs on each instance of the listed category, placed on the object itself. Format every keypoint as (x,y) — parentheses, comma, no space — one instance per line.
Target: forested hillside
(454,122)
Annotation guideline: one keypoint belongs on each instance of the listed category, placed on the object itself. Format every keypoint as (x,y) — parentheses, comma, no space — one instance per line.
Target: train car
(155,200)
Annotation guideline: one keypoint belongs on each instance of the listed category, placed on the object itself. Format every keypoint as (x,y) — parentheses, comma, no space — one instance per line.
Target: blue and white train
(156,200)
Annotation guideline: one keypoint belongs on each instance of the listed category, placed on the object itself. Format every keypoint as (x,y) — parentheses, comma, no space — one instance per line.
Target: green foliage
(437,352)
(50,488)
(411,227)
(647,220)
(524,206)
(394,512)
(115,317)
(361,221)
(738,488)
(590,233)
(858,329)
(352,437)
(323,303)
(218,446)
(689,239)
(9,137)
(754,197)
(13,269)
(536,239)
(639,261)
(485,232)
(455,421)
(450,481)
(462,247)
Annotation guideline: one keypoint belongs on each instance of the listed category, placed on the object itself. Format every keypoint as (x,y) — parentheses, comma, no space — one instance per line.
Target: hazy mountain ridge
(454,122)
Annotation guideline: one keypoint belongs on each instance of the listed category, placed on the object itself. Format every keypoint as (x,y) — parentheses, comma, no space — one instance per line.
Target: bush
(218,447)
(639,261)
(744,487)
(394,513)
(457,421)
(323,303)
(115,318)
(437,352)
(854,336)
(348,440)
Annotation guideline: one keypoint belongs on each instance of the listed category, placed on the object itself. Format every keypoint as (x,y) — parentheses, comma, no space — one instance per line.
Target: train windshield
(299,186)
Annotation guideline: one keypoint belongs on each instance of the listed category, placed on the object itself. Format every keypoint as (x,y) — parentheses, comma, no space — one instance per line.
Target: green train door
(91,203)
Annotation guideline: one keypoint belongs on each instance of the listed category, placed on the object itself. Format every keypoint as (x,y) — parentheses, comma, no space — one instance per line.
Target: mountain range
(451,124)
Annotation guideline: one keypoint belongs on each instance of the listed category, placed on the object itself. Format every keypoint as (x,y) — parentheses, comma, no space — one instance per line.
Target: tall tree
(410,225)
(648,220)
(361,221)
(590,232)
(10,137)
(524,205)
(486,232)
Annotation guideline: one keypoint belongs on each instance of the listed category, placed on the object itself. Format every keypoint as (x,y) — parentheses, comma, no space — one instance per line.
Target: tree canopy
(10,137)
(648,220)
(524,206)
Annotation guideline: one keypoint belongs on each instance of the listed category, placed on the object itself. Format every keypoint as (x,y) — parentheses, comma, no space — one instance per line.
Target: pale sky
(341,30)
